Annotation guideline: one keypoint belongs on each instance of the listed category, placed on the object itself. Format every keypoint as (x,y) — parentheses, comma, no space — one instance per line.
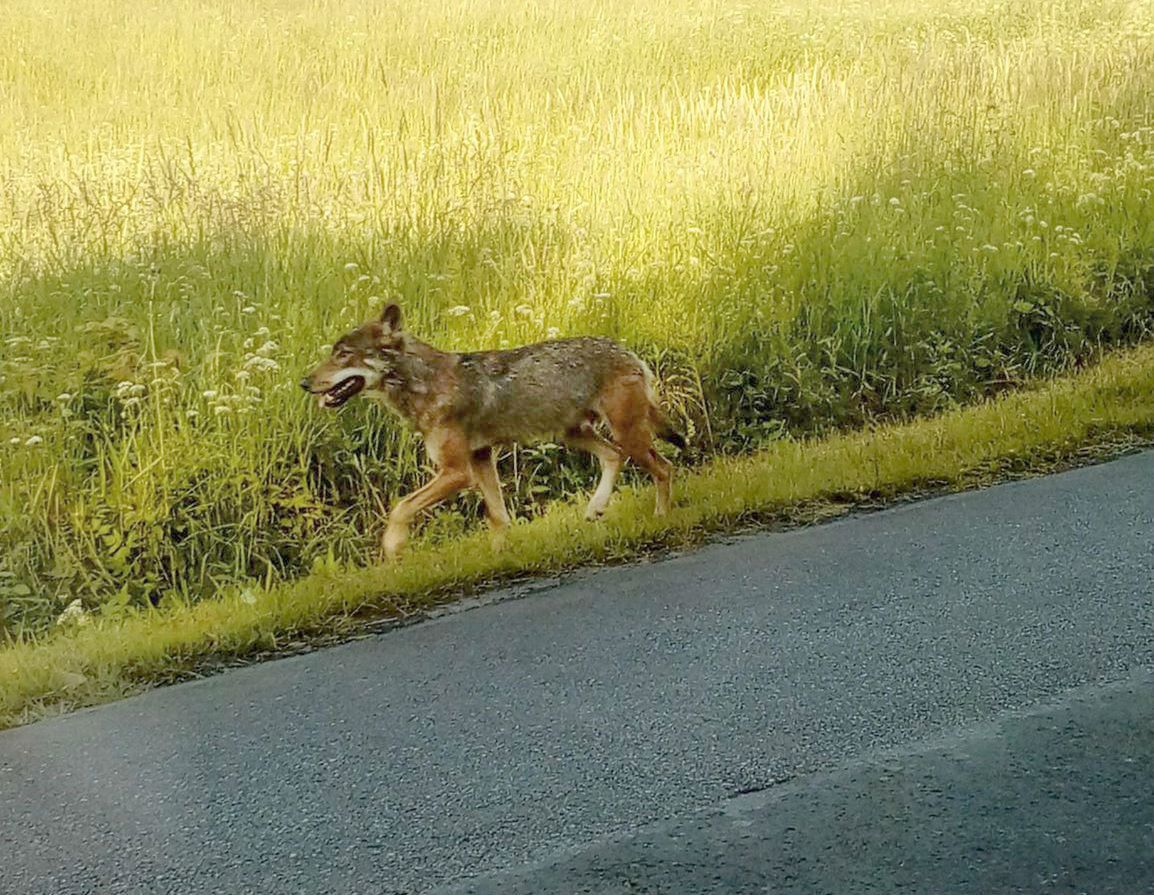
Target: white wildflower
(523,310)
(260,364)
(552,332)
(33,440)
(63,397)
(458,311)
(210,395)
(248,309)
(73,614)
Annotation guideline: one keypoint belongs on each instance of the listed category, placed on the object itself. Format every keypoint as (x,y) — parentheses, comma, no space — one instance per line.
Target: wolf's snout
(307,384)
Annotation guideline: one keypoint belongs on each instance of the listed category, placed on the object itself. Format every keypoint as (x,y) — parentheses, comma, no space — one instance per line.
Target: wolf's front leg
(485,475)
(446,483)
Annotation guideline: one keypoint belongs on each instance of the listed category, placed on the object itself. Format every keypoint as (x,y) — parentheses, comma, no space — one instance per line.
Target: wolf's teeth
(340,393)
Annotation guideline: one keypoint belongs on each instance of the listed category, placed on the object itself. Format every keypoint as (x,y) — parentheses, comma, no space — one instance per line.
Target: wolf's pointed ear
(391,317)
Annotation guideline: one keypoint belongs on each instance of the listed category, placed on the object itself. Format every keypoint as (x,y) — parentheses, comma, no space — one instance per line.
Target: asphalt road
(952,696)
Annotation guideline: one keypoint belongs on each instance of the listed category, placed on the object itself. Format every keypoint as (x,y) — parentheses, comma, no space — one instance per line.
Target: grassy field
(808,216)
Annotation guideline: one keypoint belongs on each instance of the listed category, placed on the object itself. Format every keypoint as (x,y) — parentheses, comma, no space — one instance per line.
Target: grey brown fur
(465,404)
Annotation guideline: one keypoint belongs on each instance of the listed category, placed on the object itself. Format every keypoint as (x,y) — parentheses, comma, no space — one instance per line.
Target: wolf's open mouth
(342,391)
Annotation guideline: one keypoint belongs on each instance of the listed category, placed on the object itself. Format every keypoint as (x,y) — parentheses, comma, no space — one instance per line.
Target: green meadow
(810,217)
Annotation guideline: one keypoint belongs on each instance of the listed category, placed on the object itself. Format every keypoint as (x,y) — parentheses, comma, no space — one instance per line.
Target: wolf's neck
(414,388)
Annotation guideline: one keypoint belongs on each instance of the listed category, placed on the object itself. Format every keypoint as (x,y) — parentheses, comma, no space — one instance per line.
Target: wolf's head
(362,359)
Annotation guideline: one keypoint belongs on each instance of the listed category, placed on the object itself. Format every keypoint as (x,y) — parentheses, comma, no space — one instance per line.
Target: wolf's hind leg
(586,438)
(484,463)
(660,469)
(627,407)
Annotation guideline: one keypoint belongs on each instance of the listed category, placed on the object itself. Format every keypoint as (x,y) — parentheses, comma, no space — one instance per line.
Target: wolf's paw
(392,545)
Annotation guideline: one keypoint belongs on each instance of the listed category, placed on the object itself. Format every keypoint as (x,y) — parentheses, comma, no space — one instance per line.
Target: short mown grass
(1107,407)
(809,217)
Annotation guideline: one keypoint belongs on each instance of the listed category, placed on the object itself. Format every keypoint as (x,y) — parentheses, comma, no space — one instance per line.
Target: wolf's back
(539,389)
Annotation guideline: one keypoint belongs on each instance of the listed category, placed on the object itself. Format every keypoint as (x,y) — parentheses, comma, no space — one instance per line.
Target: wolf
(466,405)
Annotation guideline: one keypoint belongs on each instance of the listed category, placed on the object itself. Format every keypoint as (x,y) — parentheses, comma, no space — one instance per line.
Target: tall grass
(807,216)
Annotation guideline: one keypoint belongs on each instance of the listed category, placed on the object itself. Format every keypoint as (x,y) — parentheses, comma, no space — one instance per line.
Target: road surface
(950,696)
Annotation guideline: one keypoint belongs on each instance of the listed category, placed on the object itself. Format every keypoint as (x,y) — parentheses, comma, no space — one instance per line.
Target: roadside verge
(1097,412)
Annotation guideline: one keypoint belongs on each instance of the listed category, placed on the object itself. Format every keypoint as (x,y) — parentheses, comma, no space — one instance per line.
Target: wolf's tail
(665,431)
(662,428)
